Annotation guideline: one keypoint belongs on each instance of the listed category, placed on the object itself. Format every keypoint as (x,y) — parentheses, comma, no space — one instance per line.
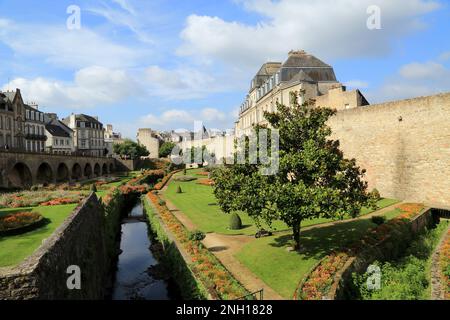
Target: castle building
(301,72)
(151,140)
(112,138)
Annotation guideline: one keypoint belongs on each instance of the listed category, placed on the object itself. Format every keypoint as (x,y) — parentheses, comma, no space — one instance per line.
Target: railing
(46,153)
(255,295)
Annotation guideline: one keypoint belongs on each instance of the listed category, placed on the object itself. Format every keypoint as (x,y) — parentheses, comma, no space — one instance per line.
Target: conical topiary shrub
(93,188)
(179,190)
(235,222)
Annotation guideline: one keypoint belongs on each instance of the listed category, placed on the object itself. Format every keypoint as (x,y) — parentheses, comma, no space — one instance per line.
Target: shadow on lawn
(320,241)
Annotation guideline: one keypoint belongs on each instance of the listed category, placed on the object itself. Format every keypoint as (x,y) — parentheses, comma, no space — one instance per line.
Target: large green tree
(130,149)
(166,149)
(314,179)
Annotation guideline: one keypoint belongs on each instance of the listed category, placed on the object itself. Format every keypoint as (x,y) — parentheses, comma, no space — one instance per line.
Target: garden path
(437,291)
(224,247)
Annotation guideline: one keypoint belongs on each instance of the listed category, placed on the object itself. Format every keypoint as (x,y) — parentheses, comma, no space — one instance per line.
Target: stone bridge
(20,169)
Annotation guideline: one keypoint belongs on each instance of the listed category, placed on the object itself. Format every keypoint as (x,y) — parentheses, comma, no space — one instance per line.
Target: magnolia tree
(314,179)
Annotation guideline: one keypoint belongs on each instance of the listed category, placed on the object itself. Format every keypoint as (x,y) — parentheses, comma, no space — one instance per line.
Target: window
(8,123)
(1,122)
(28,114)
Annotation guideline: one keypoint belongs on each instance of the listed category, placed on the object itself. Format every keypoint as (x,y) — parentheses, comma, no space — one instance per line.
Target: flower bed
(164,180)
(319,281)
(19,222)
(206,182)
(445,265)
(204,173)
(205,265)
(36,198)
(61,201)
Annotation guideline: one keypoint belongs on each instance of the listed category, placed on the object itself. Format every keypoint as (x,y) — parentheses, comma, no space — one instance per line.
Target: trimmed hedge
(235,221)
(190,288)
(205,266)
(386,241)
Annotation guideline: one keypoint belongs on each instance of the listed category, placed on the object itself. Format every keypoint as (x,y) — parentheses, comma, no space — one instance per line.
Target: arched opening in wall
(97,170)
(62,174)
(20,176)
(111,168)
(44,174)
(104,169)
(88,170)
(76,172)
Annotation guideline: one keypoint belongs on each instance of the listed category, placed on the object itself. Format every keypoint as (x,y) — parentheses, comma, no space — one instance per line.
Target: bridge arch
(20,176)
(97,170)
(88,170)
(77,172)
(44,174)
(105,169)
(62,173)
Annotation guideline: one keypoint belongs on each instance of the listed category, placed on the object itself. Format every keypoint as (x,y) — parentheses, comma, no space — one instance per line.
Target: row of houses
(24,128)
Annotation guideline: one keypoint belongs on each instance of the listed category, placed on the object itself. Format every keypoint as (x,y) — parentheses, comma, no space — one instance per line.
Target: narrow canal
(139,276)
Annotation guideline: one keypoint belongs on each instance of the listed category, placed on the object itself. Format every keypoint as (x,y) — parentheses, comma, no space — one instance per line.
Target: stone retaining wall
(359,264)
(78,241)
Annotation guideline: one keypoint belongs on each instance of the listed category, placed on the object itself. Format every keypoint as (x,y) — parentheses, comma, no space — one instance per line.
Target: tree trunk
(296,236)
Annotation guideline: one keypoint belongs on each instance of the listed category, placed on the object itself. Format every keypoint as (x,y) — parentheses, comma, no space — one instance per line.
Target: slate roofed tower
(300,61)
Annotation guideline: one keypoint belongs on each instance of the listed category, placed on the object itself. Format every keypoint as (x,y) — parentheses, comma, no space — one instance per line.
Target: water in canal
(135,277)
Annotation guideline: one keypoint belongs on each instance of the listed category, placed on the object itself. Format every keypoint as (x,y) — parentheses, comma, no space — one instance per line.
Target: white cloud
(357,84)
(212,115)
(91,87)
(328,28)
(184,83)
(67,48)
(413,80)
(425,70)
(178,118)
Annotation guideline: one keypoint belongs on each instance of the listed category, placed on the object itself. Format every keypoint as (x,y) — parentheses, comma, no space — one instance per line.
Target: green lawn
(282,270)
(199,204)
(14,249)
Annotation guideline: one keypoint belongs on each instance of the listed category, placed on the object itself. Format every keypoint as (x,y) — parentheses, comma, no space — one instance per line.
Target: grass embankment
(14,249)
(282,270)
(198,203)
(409,277)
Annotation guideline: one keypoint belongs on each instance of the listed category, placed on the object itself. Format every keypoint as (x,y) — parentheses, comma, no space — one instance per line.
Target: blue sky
(165,63)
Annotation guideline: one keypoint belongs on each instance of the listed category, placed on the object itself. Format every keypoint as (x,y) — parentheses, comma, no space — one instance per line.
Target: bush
(93,188)
(184,171)
(161,202)
(235,222)
(379,220)
(185,178)
(34,188)
(197,235)
(179,190)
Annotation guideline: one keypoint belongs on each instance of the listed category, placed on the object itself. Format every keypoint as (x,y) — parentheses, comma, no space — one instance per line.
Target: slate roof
(304,60)
(57,128)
